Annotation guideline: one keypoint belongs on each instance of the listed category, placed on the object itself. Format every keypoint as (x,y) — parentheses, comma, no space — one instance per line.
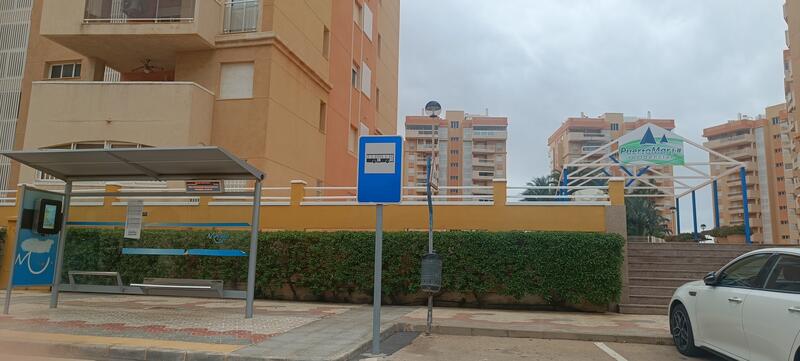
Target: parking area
(474,348)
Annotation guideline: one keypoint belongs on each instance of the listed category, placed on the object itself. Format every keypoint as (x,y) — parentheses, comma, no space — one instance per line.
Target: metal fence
(124,11)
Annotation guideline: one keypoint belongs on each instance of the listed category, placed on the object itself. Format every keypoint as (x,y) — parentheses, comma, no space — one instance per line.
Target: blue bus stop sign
(380,176)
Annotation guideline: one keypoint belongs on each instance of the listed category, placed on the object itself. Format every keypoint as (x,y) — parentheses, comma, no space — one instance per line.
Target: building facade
(579,137)
(15,18)
(764,146)
(467,151)
(287,85)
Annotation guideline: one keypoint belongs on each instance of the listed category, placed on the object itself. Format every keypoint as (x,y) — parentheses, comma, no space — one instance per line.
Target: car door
(719,307)
(772,314)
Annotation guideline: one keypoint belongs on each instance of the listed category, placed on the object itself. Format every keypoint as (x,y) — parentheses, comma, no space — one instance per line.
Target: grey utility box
(431,280)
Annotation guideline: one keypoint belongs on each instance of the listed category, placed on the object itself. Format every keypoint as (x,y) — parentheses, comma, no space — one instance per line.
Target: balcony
(487,150)
(149,113)
(482,162)
(482,175)
(122,33)
(490,134)
(588,137)
(730,141)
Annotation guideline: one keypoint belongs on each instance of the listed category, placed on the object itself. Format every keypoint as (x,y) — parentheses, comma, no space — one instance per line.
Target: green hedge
(561,267)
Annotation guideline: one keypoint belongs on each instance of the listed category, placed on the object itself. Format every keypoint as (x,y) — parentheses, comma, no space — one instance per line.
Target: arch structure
(650,156)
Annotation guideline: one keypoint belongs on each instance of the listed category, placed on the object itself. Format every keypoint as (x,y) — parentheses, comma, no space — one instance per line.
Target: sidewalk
(164,328)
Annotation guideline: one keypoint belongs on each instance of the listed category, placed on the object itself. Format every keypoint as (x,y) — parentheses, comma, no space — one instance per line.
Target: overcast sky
(538,62)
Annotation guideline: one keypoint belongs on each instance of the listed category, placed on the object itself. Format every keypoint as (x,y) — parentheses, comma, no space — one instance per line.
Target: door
(772,314)
(719,307)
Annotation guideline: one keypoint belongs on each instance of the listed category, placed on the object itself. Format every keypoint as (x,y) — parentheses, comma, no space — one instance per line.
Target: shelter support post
(62,240)
(251,265)
(695,234)
(677,216)
(745,206)
(715,194)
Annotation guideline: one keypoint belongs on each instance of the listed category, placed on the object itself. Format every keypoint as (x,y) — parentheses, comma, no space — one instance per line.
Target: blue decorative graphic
(648,138)
(35,256)
(380,161)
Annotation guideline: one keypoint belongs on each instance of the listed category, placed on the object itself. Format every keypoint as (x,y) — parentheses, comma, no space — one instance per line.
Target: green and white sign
(651,145)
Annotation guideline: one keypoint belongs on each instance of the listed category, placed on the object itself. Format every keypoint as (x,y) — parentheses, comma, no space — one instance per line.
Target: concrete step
(731,254)
(653,281)
(634,265)
(657,273)
(682,259)
(691,246)
(637,309)
(650,300)
(652,290)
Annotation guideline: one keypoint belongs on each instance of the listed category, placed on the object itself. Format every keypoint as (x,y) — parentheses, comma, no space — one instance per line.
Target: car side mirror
(710,279)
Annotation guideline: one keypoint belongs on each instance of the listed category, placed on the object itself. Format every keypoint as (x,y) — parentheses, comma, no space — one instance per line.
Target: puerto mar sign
(651,145)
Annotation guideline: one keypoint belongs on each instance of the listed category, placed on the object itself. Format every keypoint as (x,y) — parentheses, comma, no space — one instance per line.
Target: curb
(552,335)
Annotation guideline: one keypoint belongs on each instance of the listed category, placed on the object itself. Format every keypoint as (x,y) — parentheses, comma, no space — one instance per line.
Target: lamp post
(431,263)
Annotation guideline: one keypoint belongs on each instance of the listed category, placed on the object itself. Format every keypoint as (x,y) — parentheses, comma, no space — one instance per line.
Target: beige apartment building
(467,150)
(288,85)
(578,137)
(764,146)
(791,61)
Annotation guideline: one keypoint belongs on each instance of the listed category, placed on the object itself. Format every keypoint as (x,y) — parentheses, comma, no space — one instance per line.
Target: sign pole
(62,239)
(376,296)
(430,246)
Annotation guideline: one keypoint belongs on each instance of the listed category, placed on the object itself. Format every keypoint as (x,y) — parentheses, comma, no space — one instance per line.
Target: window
(377,99)
(454,152)
(779,165)
(780,179)
(454,124)
(614,126)
(784,222)
(236,81)
(785,276)
(783,208)
(352,140)
(367,24)
(326,42)
(454,164)
(380,42)
(323,115)
(65,71)
(454,139)
(453,177)
(240,16)
(366,80)
(745,273)
(776,120)
(354,77)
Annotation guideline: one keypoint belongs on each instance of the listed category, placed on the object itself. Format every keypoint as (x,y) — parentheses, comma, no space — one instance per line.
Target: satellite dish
(433,109)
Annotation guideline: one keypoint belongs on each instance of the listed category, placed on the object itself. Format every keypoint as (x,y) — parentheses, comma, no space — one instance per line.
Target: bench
(181,287)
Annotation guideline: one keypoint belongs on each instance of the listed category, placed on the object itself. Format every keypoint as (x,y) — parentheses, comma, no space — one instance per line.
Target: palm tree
(543,181)
(643,218)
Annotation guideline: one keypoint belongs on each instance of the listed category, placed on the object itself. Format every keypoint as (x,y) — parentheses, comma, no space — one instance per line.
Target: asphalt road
(473,348)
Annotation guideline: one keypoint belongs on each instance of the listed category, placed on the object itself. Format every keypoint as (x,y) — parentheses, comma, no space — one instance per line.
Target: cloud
(34,245)
(539,62)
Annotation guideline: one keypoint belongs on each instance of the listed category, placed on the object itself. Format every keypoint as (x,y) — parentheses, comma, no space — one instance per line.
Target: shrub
(561,267)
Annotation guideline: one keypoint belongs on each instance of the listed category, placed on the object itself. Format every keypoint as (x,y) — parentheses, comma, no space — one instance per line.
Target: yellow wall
(300,216)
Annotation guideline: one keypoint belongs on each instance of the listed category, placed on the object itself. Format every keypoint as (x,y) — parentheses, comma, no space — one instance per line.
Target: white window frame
(75,65)
(366,80)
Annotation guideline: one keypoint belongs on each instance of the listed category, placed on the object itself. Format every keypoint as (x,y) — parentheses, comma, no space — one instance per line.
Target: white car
(748,310)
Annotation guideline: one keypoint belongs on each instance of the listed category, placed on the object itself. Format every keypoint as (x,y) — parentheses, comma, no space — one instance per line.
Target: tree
(550,180)
(643,218)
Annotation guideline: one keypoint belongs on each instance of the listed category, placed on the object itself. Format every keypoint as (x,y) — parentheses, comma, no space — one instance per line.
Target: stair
(655,270)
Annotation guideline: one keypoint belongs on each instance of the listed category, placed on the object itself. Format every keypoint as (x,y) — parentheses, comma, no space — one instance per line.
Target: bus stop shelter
(145,164)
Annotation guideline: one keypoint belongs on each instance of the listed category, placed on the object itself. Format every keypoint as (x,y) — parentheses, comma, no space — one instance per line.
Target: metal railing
(241,16)
(281,196)
(139,11)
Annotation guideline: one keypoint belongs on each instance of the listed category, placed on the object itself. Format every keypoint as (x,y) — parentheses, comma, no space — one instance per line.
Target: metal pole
(677,216)
(430,246)
(62,239)
(695,235)
(251,264)
(745,206)
(376,295)
(715,194)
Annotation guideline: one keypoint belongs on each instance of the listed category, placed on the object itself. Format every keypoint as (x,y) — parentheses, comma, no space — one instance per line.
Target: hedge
(561,267)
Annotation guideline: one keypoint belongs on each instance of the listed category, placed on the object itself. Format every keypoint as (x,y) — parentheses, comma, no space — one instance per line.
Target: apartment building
(15,19)
(579,137)
(287,85)
(763,145)
(467,150)
(791,61)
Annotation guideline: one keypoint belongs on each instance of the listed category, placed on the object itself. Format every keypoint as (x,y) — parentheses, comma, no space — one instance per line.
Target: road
(474,348)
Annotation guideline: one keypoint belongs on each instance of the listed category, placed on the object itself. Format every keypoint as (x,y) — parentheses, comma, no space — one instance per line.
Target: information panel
(35,254)
(380,161)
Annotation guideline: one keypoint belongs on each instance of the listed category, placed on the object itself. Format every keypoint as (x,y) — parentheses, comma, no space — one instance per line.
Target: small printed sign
(209,186)
(380,158)
(133,220)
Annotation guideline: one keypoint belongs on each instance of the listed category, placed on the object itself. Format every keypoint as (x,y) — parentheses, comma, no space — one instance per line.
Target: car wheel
(681,329)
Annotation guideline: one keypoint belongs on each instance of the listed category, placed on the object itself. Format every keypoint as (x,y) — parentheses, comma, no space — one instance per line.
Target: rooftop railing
(139,11)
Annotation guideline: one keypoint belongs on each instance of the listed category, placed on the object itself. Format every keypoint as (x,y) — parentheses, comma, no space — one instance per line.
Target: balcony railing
(241,16)
(139,11)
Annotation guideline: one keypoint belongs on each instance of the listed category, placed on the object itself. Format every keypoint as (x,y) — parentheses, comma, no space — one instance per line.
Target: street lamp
(431,277)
